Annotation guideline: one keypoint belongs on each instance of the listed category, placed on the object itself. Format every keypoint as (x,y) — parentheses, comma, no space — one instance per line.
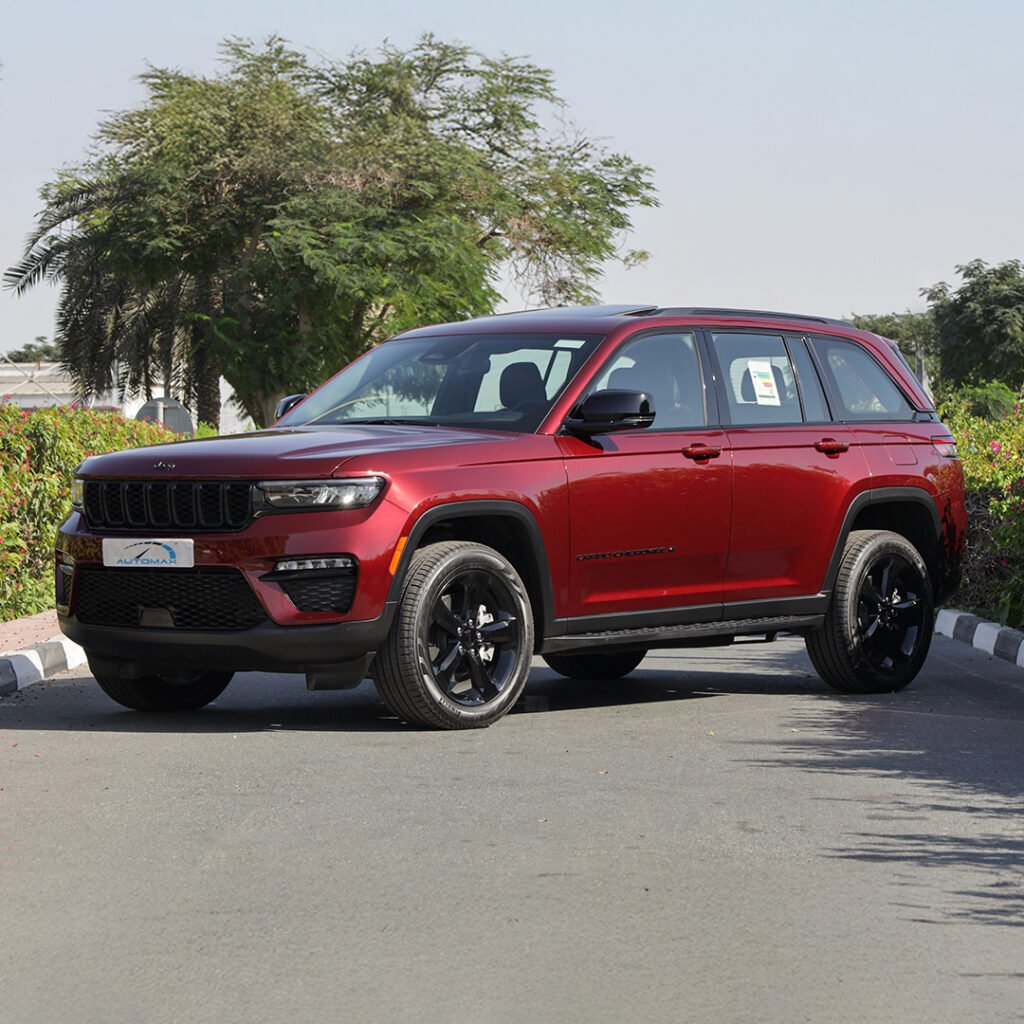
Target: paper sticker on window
(763,379)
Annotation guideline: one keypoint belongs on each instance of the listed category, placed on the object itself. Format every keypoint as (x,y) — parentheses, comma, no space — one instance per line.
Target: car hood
(281,454)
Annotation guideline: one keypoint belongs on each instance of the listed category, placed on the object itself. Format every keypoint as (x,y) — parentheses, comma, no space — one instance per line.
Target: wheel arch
(508,527)
(908,511)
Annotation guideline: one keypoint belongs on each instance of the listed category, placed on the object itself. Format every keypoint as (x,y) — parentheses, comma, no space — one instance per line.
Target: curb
(19,669)
(990,637)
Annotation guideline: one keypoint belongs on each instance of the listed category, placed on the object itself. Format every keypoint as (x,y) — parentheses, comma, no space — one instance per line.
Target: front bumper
(289,639)
(265,648)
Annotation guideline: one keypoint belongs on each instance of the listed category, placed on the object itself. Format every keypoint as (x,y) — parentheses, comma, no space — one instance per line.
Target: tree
(271,222)
(38,351)
(913,332)
(980,325)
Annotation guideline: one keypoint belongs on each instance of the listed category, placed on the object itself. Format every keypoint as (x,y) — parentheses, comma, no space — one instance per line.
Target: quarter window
(864,390)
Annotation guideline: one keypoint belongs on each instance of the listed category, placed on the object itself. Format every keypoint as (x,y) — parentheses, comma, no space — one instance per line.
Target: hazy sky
(821,156)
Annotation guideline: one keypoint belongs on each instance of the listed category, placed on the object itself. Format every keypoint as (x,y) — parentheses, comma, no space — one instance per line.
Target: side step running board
(678,636)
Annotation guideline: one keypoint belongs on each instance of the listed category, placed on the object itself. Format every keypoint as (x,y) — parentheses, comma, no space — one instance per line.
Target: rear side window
(760,384)
(862,387)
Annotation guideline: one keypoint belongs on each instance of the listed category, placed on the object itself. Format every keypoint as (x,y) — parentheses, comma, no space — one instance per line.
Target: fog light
(307,564)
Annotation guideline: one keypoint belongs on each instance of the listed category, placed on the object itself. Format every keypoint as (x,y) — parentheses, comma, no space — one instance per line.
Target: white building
(37,385)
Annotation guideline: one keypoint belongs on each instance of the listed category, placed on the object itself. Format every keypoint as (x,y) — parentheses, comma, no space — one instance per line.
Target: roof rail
(767,313)
(633,310)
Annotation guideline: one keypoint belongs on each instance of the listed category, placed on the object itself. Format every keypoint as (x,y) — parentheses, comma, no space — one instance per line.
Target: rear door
(794,468)
(649,509)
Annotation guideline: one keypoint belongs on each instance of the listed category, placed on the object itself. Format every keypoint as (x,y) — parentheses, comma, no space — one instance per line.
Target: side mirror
(606,411)
(287,403)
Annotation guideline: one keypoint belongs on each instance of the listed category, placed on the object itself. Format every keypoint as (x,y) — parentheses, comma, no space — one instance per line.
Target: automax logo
(151,553)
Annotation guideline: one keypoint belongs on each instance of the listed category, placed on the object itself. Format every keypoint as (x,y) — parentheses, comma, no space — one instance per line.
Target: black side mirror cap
(604,412)
(287,403)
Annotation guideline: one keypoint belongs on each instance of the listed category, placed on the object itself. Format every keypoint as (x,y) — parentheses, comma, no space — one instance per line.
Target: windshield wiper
(388,421)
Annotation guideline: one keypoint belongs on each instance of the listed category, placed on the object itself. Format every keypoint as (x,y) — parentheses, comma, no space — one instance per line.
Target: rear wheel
(460,648)
(177,692)
(594,665)
(879,625)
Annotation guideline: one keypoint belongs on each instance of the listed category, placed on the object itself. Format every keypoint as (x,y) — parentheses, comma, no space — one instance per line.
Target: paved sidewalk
(32,649)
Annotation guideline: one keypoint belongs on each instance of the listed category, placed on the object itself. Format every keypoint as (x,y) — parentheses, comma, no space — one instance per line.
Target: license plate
(153,553)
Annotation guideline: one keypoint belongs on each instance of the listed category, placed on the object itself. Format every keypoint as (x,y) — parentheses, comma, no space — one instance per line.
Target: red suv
(585,484)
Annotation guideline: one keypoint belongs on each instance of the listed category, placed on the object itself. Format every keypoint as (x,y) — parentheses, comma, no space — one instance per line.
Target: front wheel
(460,648)
(181,692)
(878,627)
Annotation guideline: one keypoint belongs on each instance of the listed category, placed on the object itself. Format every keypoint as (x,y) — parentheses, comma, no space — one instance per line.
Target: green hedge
(39,452)
(992,453)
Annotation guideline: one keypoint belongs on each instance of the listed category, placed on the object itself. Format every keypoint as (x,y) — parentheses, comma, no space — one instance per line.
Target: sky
(822,157)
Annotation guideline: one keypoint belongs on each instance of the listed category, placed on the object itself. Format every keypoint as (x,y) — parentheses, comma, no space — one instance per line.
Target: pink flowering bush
(39,453)
(992,453)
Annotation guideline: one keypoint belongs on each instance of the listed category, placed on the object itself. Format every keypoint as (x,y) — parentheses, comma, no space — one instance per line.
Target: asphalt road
(717,838)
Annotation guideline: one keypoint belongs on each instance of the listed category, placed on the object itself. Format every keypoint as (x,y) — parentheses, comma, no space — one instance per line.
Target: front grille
(214,505)
(202,599)
(333,594)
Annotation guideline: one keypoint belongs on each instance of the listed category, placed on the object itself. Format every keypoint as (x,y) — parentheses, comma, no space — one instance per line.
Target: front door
(650,509)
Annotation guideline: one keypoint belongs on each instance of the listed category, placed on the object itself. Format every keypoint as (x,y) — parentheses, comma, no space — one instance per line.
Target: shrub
(39,453)
(990,400)
(992,454)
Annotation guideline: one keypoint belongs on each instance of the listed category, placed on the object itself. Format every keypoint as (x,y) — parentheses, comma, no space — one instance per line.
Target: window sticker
(569,343)
(765,391)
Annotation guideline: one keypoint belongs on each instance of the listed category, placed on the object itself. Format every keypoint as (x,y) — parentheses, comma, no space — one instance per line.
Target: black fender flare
(496,508)
(877,496)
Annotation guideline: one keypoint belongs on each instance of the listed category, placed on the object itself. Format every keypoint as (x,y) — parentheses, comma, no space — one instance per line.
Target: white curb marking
(985,637)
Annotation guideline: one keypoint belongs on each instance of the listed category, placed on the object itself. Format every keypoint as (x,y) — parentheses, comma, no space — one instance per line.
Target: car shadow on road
(254,703)
(951,832)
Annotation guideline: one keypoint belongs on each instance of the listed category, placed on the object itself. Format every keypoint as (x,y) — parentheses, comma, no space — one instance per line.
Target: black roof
(637,310)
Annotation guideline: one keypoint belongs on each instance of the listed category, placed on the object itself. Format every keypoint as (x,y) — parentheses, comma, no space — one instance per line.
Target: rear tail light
(945,445)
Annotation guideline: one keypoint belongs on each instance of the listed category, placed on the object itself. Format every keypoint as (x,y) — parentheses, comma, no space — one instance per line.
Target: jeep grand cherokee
(585,484)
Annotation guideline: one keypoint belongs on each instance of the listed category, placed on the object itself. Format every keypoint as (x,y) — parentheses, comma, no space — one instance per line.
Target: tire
(878,627)
(156,693)
(461,645)
(593,665)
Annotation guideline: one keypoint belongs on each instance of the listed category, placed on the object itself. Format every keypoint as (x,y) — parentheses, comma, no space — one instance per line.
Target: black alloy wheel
(473,637)
(891,611)
(461,645)
(878,628)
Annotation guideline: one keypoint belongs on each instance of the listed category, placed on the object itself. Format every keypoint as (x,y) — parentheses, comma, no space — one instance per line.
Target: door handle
(701,452)
(830,446)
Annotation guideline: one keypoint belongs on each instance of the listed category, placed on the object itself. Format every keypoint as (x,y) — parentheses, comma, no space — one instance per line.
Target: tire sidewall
(457,563)
(881,545)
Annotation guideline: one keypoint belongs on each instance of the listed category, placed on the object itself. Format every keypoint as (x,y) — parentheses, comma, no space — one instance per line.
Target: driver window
(666,366)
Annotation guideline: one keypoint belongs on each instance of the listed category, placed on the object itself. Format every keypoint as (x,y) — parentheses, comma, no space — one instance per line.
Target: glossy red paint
(622,524)
(781,547)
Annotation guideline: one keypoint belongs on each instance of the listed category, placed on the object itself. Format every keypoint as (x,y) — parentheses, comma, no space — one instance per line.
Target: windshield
(489,381)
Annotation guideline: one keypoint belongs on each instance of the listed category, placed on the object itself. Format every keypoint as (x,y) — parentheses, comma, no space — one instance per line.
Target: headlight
(313,494)
(78,494)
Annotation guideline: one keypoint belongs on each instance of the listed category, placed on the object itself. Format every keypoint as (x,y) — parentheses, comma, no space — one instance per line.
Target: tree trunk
(205,366)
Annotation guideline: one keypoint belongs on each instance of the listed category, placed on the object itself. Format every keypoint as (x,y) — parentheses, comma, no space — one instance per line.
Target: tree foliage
(980,325)
(913,332)
(272,221)
(39,351)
